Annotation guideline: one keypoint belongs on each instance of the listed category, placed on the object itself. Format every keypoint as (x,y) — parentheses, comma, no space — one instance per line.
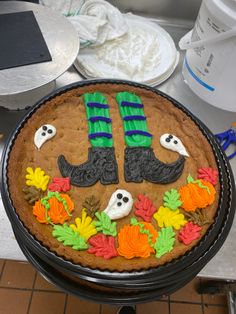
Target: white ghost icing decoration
(43,134)
(120,204)
(172,142)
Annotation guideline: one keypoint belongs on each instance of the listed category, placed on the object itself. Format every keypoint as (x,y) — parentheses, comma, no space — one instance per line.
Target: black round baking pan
(156,283)
(147,284)
(174,280)
(139,272)
(145,277)
(98,295)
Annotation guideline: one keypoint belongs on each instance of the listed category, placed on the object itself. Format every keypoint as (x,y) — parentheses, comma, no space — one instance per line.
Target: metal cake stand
(63,43)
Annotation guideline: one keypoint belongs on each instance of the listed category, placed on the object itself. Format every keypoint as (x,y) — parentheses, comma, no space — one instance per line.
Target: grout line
(199,303)
(203,311)
(185,302)
(169,309)
(32,291)
(48,290)
(214,305)
(3,267)
(14,288)
(66,301)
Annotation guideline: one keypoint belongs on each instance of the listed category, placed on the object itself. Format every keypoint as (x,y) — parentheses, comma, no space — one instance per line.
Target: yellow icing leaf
(166,218)
(37,178)
(84,226)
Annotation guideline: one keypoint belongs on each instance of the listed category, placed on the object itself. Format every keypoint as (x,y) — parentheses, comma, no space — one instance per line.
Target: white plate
(161,61)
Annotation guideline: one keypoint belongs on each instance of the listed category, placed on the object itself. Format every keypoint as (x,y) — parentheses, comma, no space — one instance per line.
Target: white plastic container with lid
(209,66)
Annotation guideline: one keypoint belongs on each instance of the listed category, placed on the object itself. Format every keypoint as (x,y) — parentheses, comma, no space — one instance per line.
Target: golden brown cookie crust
(67,113)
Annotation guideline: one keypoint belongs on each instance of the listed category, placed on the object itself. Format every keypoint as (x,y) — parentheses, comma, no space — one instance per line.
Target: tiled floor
(24,291)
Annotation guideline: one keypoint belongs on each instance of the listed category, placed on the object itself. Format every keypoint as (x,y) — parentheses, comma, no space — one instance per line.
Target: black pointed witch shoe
(101,165)
(141,164)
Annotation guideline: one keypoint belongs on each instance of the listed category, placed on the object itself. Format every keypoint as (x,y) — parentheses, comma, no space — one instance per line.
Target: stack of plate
(126,287)
(147,54)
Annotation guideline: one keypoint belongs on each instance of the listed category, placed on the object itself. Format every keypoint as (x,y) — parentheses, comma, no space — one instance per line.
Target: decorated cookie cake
(113,177)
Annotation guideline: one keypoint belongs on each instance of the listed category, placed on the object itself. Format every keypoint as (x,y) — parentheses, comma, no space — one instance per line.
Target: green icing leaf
(69,237)
(165,241)
(171,199)
(104,224)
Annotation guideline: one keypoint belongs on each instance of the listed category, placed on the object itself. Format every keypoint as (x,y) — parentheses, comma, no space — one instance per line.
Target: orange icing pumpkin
(133,243)
(57,213)
(193,196)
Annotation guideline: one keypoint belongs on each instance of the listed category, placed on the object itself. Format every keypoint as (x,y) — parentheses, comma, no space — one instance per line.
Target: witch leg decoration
(101,164)
(140,161)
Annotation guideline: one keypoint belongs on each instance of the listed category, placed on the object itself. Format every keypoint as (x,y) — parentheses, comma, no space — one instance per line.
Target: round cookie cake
(113,176)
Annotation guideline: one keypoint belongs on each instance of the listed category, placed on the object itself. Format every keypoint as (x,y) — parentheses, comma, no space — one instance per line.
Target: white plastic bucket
(209,66)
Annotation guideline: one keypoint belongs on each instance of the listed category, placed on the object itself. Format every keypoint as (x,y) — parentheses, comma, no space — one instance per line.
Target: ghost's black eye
(44,127)
(125,199)
(43,134)
(170,136)
(119,196)
(50,131)
(167,139)
(175,142)
(119,204)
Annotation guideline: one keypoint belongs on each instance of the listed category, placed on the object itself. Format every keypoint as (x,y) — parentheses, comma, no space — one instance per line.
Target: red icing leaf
(145,208)
(102,246)
(59,185)
(208,174)
(189,233)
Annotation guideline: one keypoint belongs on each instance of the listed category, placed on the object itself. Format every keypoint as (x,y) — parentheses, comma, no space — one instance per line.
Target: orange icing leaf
(133,243)
(57,213)
(193,196)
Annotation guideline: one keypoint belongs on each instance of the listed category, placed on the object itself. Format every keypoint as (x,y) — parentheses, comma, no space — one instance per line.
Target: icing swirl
(144,208)
(133,243)
(208,174)
(37,178)
(92,204)
(104,224)
(165,241)
(84,225)
(103,246)
(59,185)
(193,196)
(166,218)
(189,233)
(53,211)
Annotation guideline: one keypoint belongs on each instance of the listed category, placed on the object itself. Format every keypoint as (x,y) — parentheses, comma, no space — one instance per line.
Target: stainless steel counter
(222,266)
